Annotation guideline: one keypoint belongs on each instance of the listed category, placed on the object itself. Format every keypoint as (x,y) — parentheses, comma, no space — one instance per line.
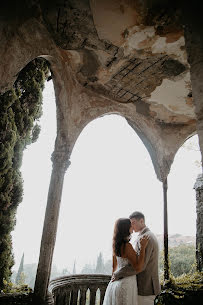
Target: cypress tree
(20,270)
(20,108)
(74,267)
(100,264)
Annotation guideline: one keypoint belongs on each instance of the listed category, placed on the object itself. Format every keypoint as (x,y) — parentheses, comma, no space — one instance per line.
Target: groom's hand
(123,272)
(115,276)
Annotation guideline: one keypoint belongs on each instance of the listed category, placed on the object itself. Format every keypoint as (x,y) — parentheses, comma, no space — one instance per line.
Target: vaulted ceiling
(108,56)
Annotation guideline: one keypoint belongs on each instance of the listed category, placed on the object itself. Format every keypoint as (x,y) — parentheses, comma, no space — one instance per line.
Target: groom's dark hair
(137,215)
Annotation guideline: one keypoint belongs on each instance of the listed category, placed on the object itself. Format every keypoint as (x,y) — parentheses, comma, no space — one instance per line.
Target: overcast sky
(110,176)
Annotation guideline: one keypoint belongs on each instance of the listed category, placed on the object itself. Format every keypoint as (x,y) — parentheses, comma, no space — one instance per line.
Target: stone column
(60,159)
(166,263)
(193,32)
(199,222)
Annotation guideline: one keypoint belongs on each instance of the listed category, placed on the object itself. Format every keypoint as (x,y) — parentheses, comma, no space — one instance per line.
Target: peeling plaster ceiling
(146,66)
(125,51)
(175,96)
(124,56)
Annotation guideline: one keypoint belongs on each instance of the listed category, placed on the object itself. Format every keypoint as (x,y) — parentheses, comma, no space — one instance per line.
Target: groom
(148,278)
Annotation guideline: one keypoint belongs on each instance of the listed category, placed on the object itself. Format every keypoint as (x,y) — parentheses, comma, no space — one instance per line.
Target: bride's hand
(144,241)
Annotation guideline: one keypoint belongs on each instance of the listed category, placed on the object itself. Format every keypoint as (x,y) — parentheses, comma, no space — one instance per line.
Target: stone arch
(161,143)
(144,138)
(26,42)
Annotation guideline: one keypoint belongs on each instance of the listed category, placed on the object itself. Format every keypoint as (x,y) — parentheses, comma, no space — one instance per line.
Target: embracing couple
(135,279)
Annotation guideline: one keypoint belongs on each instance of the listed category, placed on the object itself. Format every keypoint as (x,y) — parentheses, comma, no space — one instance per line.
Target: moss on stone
(184,290)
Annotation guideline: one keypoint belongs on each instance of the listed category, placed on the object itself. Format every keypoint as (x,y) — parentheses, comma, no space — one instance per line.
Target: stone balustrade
(81,289)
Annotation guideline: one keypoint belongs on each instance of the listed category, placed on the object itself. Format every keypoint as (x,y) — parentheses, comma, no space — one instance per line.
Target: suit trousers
(146,300)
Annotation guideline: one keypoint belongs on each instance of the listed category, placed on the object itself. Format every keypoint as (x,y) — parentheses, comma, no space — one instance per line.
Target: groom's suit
(148,278)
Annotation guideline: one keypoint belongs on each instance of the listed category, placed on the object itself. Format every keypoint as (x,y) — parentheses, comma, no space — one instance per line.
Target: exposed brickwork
(138,78)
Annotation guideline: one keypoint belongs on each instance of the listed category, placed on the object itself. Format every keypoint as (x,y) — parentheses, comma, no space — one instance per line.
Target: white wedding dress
(124,291)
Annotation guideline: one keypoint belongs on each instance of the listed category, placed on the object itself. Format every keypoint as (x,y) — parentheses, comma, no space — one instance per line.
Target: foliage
(191,280)
(186,289)
(74,268)
(35,132)
(102,267)
(20,274)
(20,107)
(13,288)
(65,272)
(88,269)
(21,279)
(30,270)
(55,272)
(100,264)
(30,274)
(185,285)
(181,259)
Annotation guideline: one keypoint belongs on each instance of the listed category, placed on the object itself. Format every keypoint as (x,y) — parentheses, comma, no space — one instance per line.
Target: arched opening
(110,176)
(181,180)
(182,207)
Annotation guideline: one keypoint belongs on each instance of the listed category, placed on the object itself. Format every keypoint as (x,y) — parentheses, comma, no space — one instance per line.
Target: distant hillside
(176,240)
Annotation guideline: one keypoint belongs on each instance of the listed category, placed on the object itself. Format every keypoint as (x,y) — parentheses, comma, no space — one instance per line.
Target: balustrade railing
(81,289)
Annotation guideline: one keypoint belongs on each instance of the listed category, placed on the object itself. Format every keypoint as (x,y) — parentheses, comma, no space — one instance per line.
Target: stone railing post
(93,292)
(60,159)
(74,296)
(102,293)
(199,222)
(83,296)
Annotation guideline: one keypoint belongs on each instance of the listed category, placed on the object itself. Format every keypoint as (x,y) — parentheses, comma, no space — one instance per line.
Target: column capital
(61,159)
(165,183)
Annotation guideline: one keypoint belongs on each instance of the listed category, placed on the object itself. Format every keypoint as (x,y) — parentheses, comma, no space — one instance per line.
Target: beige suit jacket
(148,278)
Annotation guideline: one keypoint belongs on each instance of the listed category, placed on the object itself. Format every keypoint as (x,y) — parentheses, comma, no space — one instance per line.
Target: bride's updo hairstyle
(121,235)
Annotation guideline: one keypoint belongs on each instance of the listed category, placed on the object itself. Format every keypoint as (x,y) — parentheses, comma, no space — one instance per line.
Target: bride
(124,291)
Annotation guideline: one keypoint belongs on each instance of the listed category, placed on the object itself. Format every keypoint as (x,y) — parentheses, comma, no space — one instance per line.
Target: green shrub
(13,288)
